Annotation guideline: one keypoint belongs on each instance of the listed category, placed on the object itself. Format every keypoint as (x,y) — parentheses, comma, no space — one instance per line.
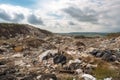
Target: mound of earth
(10,30)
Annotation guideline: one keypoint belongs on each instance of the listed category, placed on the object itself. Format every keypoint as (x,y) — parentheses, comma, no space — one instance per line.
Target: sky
(62,16)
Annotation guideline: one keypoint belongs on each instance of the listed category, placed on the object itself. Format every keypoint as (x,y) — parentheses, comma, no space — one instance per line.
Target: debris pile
(59,57)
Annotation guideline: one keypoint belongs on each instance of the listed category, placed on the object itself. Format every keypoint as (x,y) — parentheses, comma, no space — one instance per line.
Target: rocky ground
(56,57)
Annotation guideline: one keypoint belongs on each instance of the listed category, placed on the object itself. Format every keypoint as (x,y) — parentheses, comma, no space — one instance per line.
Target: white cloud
(89,15)
(67,15)
(10,13)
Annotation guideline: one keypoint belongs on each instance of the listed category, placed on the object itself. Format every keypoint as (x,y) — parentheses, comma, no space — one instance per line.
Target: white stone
(71,52)
(28,65)
(46,53)
(51,79)
(77,61)
(79,71)
(74,79)
(17,55)
(108,79)
(38,77)
(88,77)
(74,61)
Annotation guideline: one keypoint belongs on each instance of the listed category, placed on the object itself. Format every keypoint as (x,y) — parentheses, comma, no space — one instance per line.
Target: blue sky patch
(25,3)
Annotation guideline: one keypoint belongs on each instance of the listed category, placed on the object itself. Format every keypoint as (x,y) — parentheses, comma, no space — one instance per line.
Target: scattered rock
(107,55)
(59,58)
(31,54)
(88,77)
(8,77)
(108,79)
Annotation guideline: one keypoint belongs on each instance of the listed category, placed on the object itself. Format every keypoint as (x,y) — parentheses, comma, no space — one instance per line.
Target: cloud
(17,14)
(85,15)
(71,23)
(35,20)
(15,17)
(67,15)
(95,16)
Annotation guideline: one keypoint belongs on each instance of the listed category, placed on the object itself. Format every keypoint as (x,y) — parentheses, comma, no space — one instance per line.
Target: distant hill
(9,30)
(85,34)
(111,35)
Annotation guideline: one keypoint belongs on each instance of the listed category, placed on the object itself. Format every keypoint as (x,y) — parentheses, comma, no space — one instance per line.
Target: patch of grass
(68,77)
(103,71)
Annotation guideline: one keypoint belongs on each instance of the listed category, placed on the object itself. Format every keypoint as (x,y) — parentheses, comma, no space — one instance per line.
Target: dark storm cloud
(71,23)
(7,17)
(34,20)
(18,17)
(86,15)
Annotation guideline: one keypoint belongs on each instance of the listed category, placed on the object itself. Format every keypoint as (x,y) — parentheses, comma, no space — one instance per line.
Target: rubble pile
(59,58)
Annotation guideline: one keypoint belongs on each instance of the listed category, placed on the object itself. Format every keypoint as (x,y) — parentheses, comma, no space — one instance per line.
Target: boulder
(59,58)
(107,55)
